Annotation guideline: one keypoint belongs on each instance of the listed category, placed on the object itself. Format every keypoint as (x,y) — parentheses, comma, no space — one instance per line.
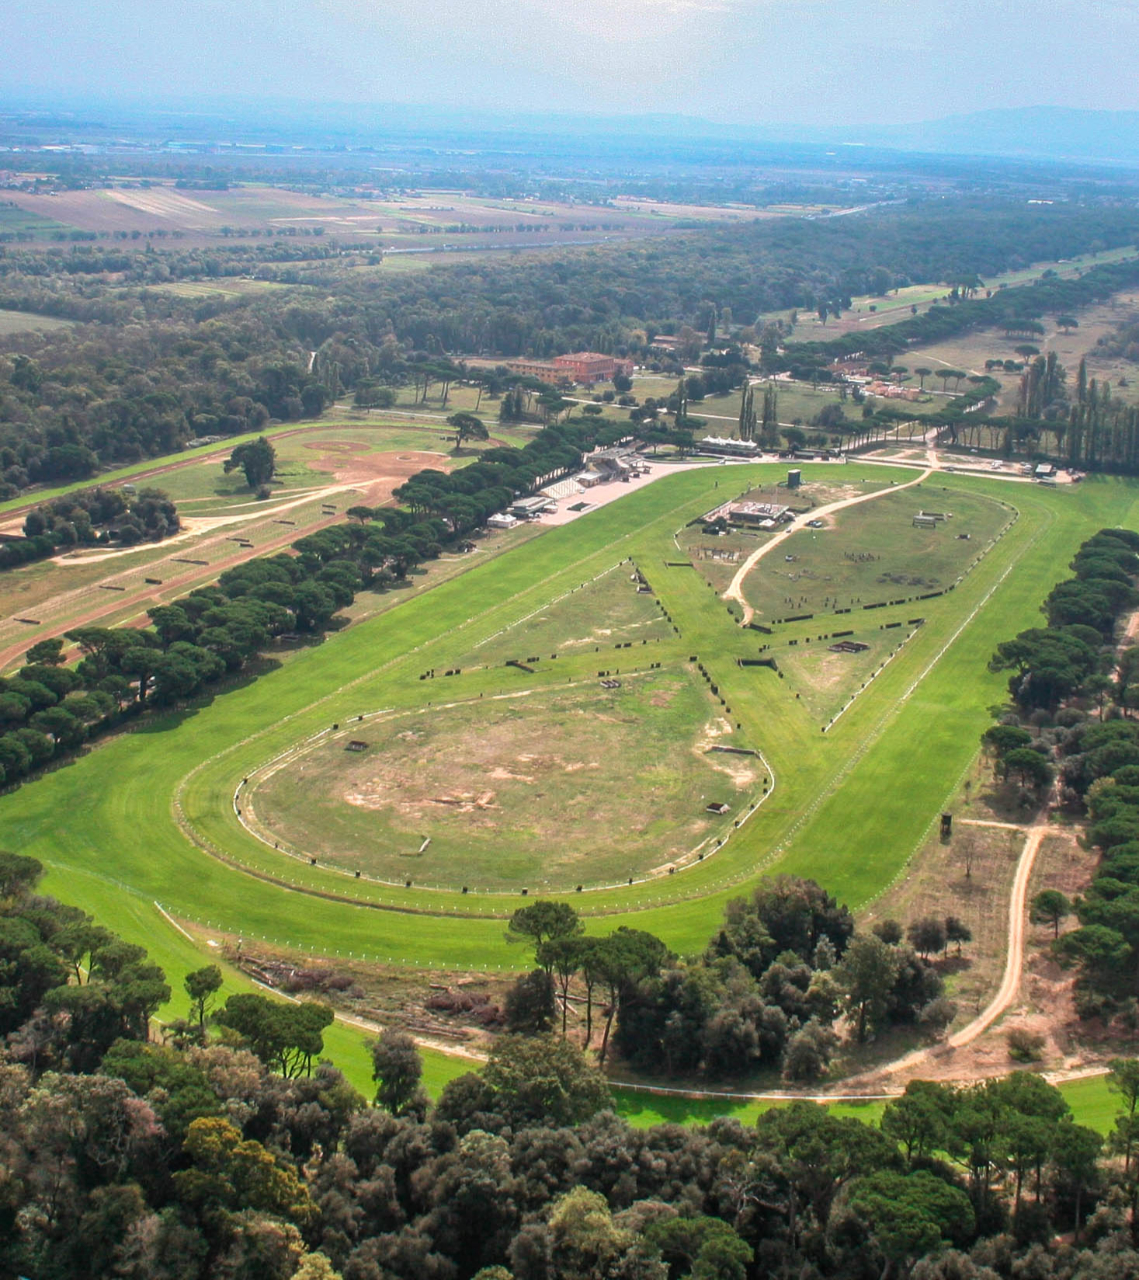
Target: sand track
(735,588)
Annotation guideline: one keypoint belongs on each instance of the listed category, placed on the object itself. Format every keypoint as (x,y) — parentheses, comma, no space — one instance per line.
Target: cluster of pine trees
(226,1149)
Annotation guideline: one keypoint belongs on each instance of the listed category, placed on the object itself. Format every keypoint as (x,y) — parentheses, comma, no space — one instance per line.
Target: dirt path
(130,606)
(877,1084)
(197,526)
(735,588)
(1014,959)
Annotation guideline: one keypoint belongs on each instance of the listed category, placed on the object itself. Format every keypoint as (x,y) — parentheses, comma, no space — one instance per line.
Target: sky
(813,62)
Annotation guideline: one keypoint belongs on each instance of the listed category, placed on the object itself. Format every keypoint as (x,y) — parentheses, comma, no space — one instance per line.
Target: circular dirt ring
(530,800)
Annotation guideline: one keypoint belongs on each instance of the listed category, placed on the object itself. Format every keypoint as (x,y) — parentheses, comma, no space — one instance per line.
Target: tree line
(227,1149)
(1072,696)
(50,708)
(768,993)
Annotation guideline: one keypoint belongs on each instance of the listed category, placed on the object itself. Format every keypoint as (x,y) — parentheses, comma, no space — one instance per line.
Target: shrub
(1025,1046)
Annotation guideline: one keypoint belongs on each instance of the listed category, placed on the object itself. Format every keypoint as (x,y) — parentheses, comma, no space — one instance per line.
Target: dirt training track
(90,604)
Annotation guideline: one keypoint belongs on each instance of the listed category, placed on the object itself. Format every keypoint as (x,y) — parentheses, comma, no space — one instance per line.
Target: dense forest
(145,371)
(226,1149)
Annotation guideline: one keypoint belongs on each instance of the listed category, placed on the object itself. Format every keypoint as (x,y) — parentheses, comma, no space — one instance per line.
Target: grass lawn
(823,679)
(114,838)
(516,791)
(1091,1100)
(872,553)
(596,615)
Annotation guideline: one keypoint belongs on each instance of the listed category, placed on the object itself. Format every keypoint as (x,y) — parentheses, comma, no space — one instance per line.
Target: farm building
(731,447)
(530,508)
(759,512)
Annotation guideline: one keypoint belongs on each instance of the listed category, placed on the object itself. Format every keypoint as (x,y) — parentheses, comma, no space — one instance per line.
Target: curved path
(1004,997)
(1014,961)
(1014,956)
(735,588)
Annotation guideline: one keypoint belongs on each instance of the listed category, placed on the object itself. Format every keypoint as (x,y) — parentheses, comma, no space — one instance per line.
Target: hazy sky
(753,61)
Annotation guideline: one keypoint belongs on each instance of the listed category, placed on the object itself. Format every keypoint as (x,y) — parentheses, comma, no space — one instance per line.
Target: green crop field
(24,225)
(149,817)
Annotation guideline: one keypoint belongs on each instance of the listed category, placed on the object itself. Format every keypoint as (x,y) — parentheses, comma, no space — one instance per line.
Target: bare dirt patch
(515,790)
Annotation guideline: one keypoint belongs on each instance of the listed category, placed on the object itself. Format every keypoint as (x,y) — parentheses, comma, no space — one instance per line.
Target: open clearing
(28,322)
(879,557)
(516,791)
(596,616)
(837,810)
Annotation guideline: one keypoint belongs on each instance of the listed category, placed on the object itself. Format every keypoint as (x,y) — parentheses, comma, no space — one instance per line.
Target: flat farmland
(159,206)
(459,218)
(22,223)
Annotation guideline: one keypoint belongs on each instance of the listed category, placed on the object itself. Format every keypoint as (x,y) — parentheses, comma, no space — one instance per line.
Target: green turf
(594,616)
(873,554)
(107,819)
(517,791)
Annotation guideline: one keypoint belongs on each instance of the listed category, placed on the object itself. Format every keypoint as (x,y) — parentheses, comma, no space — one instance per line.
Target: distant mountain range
(1055,133)
(1063,134)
